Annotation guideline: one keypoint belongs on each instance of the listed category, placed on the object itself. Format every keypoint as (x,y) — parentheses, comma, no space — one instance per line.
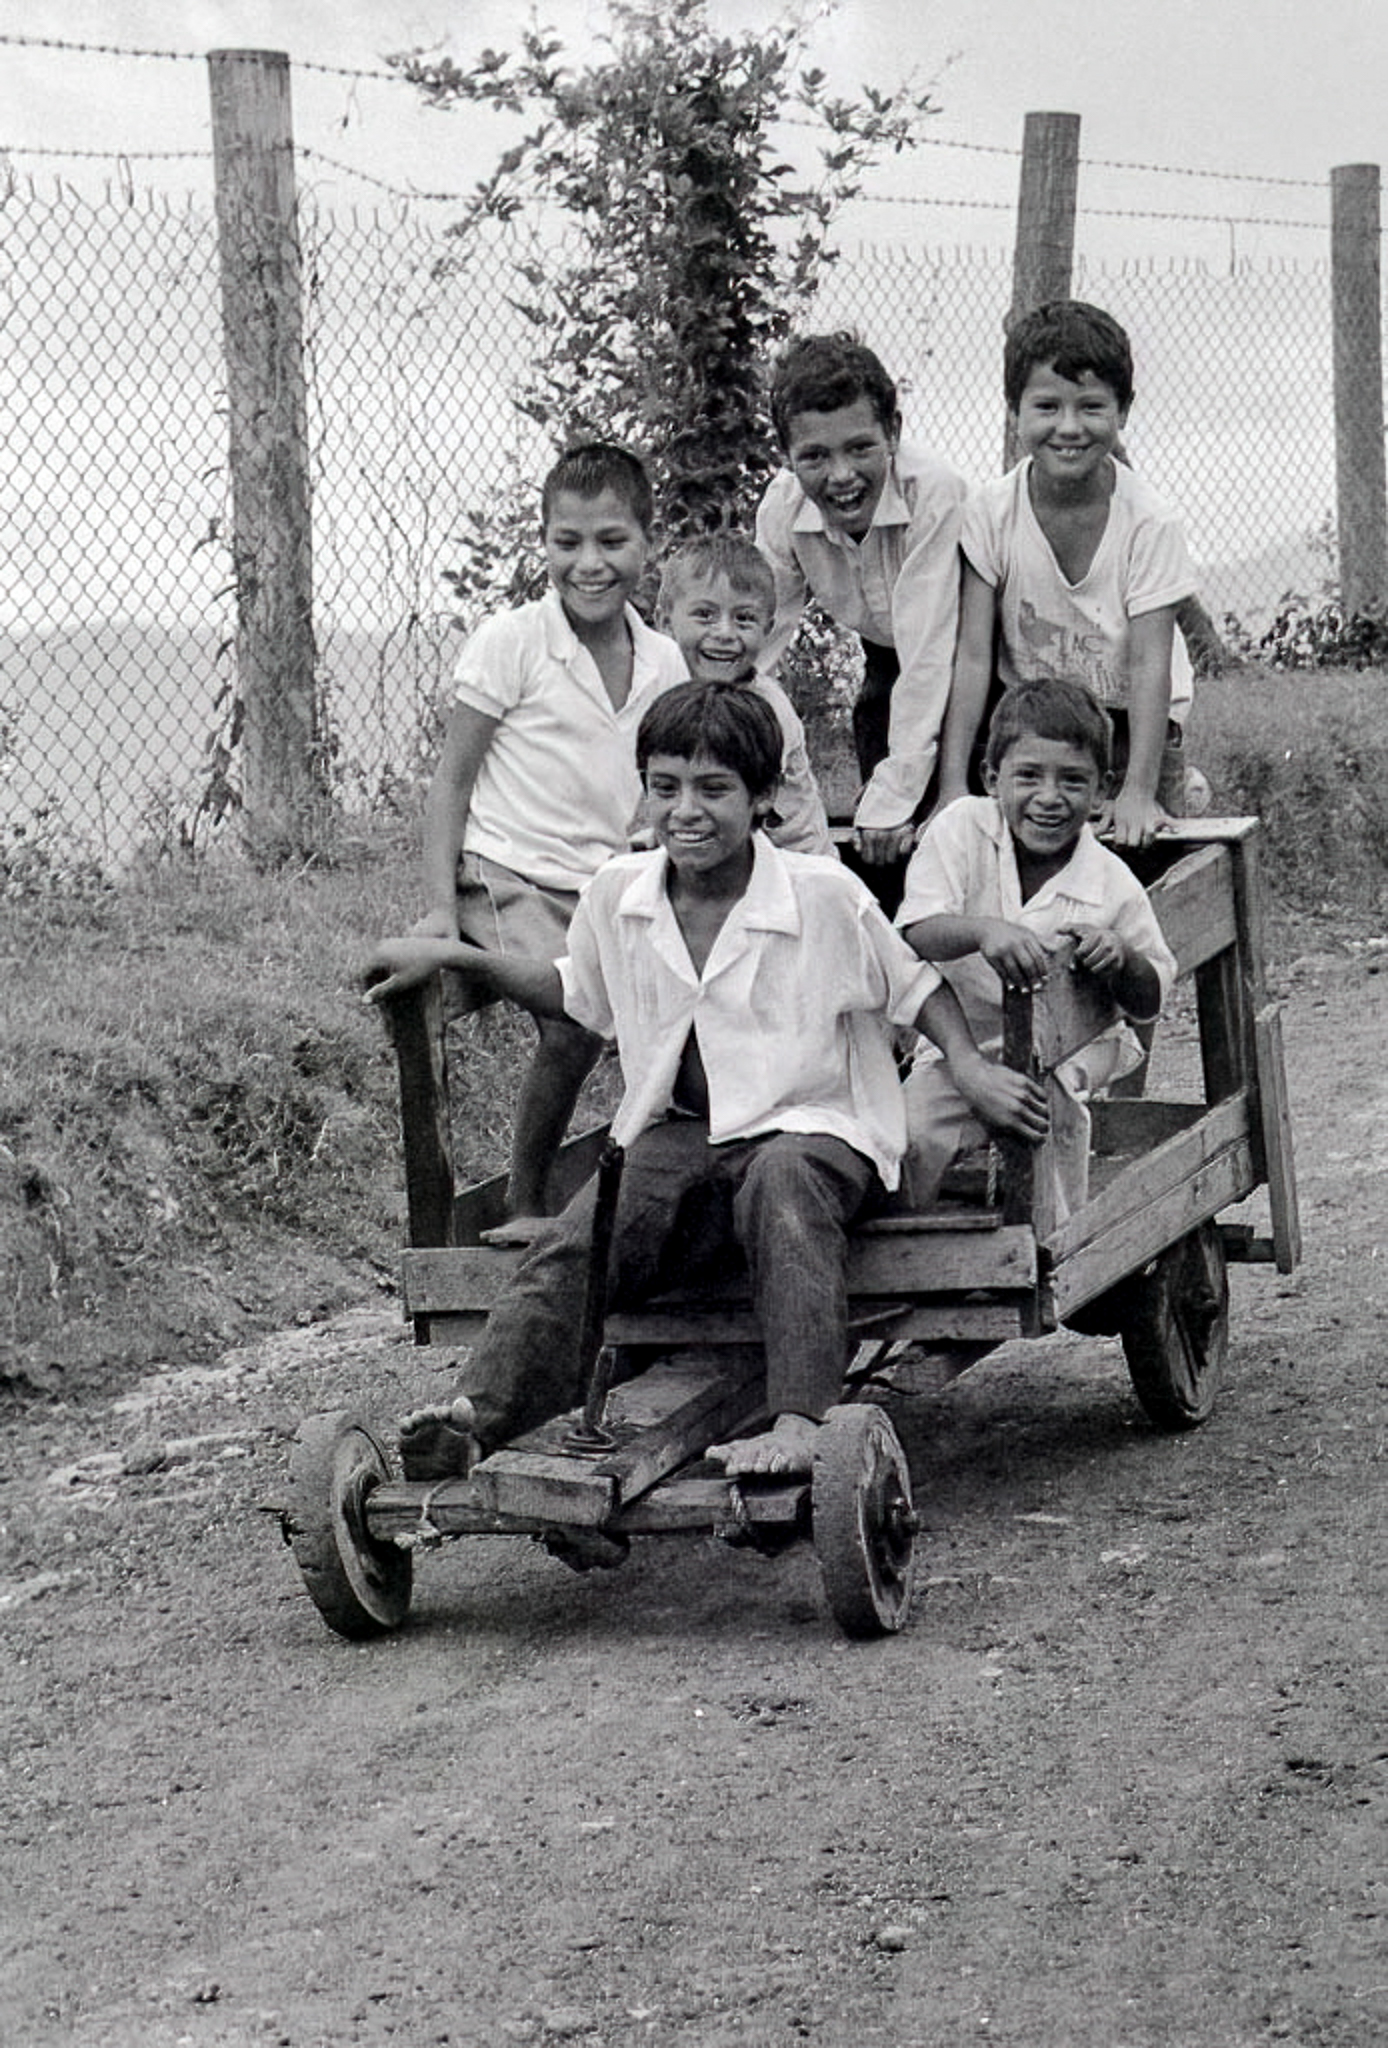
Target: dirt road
(1122,1783)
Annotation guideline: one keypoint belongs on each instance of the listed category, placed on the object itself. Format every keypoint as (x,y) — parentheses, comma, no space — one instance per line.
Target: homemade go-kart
(1144,1258)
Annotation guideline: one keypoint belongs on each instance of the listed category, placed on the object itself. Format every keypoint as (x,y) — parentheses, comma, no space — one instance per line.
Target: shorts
(502,912)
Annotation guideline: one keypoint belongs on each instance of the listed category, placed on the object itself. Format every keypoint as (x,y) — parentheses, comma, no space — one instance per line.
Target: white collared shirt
(966,866)
(792,1009)
(557,786)
(897,586)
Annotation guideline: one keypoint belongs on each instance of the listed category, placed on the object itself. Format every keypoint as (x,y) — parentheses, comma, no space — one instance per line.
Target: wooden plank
(1275,1113)
(706,1504)
(415,1023)
(543,1488)
(1194,905)
(468,1278)
(1182,1158)
(947,1319)
(1128,1241)
(687,1404)
(461,1330)
(1131,1124)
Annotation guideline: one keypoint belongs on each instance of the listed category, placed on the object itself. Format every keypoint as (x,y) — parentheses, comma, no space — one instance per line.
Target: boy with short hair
(717,602)
(749,992)
(1075,567)
(869,526)
(995,884)
(535,786)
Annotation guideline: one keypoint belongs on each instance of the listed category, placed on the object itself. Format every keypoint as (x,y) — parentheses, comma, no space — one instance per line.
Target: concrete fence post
(257,233)
(1359,457)
(1044,251)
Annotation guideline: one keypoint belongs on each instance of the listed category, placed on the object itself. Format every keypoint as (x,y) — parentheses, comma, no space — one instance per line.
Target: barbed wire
(1215,220)
(381,184)
(188,56)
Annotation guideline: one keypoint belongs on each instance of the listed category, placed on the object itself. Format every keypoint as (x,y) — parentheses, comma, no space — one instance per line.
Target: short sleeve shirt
(557,786)
(791,1011)
(966,866)
(1053,628)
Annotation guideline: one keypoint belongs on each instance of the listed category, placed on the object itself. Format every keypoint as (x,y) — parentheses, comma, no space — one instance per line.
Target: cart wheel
(1175,1329)
(359,1586)
(864,1523)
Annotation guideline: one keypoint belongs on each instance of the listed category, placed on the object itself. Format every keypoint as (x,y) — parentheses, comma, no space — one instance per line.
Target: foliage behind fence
(118,612)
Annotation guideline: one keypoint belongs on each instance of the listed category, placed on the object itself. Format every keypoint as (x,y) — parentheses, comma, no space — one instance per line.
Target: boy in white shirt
(1074,567)
(868,525)
(536,785)
(996,882)
(717,602)
(751,994)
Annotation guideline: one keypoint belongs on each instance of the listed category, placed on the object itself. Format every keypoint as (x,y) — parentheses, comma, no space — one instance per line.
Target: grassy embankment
(198,1132)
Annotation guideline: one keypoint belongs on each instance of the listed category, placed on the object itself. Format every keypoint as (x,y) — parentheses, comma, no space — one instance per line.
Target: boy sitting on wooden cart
(1005,888)
(751,993)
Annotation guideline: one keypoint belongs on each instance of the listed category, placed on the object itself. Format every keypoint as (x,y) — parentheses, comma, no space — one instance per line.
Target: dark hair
(1072,337)
(597,466)
(821,373)
(1056,710)
(725,722)
(711,555)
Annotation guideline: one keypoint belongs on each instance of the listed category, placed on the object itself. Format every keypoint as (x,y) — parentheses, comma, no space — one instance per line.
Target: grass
(198,1125)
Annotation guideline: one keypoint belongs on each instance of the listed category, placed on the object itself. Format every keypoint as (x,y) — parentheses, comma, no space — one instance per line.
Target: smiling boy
(995,884)
(717,602)
(868,525)
(1074,567)
(750,993)
(535,785)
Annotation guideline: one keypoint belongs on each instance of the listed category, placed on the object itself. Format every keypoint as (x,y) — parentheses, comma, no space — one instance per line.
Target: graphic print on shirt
(1058,651)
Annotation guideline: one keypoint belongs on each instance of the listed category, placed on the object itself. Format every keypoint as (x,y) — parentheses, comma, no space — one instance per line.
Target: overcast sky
(1272,89)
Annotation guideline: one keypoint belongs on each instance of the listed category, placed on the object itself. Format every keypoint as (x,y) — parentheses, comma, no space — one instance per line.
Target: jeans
(775,1208)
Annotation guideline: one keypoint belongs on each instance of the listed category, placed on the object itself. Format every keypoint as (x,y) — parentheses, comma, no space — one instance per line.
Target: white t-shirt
(557,787)
(792,1009)
(1052,628)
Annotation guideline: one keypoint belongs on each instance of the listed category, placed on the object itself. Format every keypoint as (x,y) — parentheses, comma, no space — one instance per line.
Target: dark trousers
(777,1208)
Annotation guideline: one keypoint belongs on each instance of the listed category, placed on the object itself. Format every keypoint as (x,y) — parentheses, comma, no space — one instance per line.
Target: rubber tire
(864,1521)
(360,1587)
(1175,1330)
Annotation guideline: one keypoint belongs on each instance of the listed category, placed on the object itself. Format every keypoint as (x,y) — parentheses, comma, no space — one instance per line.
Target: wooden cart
(1144,1258)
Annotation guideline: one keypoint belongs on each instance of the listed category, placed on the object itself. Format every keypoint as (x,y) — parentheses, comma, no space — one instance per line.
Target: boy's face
(702,813)
(1048,790)
(841,460)
(1068,428)
(595,549)
(719,630)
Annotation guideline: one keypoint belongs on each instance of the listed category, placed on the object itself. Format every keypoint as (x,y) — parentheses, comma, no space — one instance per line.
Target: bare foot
(786,1450)
(516,1230)
(441,1442)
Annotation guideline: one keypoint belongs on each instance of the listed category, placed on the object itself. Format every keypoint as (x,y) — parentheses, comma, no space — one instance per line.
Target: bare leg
(563,1060)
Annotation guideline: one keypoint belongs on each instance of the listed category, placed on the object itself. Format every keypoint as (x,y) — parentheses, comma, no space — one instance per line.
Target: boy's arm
(773,541)
(1015,954)
(925,626)
(1136,813)
(968,690)
(398,964)
(1126,975)
(465,742)
(1004,1099)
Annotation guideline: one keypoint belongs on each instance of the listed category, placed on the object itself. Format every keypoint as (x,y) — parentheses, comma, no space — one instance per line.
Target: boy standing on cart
(751,993)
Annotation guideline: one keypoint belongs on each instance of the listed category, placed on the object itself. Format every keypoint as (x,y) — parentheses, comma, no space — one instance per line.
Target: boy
(535,784)
(869,526)
(995,883)
(1075,566)
(717,602)
(749,992)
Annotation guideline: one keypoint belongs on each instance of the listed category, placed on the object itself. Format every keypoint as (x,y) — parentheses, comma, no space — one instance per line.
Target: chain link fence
(118,622)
